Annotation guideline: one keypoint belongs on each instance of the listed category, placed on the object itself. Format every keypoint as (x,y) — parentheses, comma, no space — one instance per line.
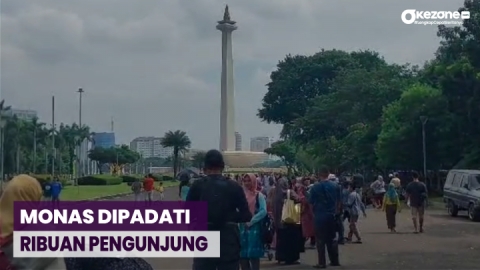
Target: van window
(449,180)
(464,181)
(474,181)
(457,180)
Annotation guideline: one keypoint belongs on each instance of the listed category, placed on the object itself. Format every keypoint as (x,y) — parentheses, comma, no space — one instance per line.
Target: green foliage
(286,152)
(99,180)
(353,111)
(198,159)
(114,155)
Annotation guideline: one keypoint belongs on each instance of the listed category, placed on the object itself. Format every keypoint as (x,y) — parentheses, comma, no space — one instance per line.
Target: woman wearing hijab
(251,241)
(286,234)
(306,215)
(391,205)
(22,188)
(184,186)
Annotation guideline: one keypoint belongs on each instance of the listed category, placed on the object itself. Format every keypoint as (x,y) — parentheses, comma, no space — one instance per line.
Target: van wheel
(471,213)
(452,209)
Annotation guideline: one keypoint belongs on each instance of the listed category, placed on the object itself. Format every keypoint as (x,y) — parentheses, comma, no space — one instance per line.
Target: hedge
(99,180)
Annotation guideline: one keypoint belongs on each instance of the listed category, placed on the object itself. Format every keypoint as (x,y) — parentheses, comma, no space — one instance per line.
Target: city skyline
(144,62)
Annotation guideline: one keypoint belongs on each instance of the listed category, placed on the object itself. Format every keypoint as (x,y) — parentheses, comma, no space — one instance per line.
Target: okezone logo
(412,16)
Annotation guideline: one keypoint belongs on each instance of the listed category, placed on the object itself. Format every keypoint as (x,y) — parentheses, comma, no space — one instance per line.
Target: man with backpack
(227,206)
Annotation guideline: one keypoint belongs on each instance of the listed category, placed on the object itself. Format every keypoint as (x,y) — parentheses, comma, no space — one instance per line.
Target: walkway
(448,243)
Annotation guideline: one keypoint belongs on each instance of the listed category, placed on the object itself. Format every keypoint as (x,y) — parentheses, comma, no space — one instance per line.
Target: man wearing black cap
(227,206)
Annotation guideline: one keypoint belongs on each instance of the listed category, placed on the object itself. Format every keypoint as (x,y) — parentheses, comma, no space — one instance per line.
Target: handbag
(290,211)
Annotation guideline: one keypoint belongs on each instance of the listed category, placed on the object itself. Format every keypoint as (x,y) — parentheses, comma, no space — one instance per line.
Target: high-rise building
(150,147)
(22,114)
(103,139)
(259,144)
(238,141)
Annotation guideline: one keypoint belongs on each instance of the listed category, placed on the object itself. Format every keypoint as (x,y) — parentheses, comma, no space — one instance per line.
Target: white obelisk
(227,110)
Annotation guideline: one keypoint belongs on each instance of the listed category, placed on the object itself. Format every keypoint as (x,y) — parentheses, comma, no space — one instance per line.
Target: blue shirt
(56,188)
(324,197)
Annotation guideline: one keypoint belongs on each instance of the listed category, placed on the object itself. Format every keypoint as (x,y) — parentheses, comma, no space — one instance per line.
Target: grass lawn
(78,193)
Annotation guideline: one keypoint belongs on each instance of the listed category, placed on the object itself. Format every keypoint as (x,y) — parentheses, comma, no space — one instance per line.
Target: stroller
(268,232)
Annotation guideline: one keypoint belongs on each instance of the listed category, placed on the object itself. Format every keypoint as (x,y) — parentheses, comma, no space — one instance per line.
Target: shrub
(129,178)
(99,180)
(167,178)
(42,178)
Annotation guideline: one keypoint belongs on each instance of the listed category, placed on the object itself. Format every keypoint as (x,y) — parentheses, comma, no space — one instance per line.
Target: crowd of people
(325,203)
(249,212)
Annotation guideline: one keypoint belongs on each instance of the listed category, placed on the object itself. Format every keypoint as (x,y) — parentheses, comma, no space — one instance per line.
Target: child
(161,189)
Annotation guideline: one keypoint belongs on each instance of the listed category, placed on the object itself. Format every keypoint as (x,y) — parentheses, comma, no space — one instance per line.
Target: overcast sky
(155,65)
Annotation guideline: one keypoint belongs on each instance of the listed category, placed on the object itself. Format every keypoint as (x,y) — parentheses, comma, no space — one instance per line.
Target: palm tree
(179,141)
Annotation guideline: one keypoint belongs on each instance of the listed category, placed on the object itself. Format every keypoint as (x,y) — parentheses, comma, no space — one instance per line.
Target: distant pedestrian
(355,206)
(161,189)
(391,205)
(56,188)
(416,195)
(148,187)
(378,187)
(47,190)
(137,190)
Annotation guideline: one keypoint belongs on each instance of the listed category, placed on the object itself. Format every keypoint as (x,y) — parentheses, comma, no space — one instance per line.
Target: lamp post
(80,152)
(424,120)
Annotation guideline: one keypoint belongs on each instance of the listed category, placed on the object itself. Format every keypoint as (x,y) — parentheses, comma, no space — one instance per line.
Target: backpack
(267,230)
(216,192)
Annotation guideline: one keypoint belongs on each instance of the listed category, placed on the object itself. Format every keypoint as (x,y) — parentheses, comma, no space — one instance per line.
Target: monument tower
(227,109)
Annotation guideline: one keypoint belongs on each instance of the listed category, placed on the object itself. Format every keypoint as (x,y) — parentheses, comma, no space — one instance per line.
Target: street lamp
(424,120)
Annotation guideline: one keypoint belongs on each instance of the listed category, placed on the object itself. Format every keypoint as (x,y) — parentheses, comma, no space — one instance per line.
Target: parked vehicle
(461,192)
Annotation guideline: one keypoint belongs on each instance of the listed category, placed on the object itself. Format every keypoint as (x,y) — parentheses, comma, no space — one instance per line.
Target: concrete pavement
(448,243)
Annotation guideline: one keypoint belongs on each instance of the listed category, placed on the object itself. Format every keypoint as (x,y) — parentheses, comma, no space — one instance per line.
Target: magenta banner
(110,216)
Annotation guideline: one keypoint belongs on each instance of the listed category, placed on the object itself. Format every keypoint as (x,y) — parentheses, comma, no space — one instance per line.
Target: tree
(298,80)
(286,152)
(198,159)
(117,157)
(400,141)
(180,142)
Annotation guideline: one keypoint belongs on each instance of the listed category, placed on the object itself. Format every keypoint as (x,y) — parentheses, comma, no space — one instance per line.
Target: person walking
(416,195)
(289,241)
(355,206)
(378,187)
(161,190)
(227,206)
(56,188)
(306,215)
(251,241)
(137,190)
(148,187)
(391,205)
(324,198)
